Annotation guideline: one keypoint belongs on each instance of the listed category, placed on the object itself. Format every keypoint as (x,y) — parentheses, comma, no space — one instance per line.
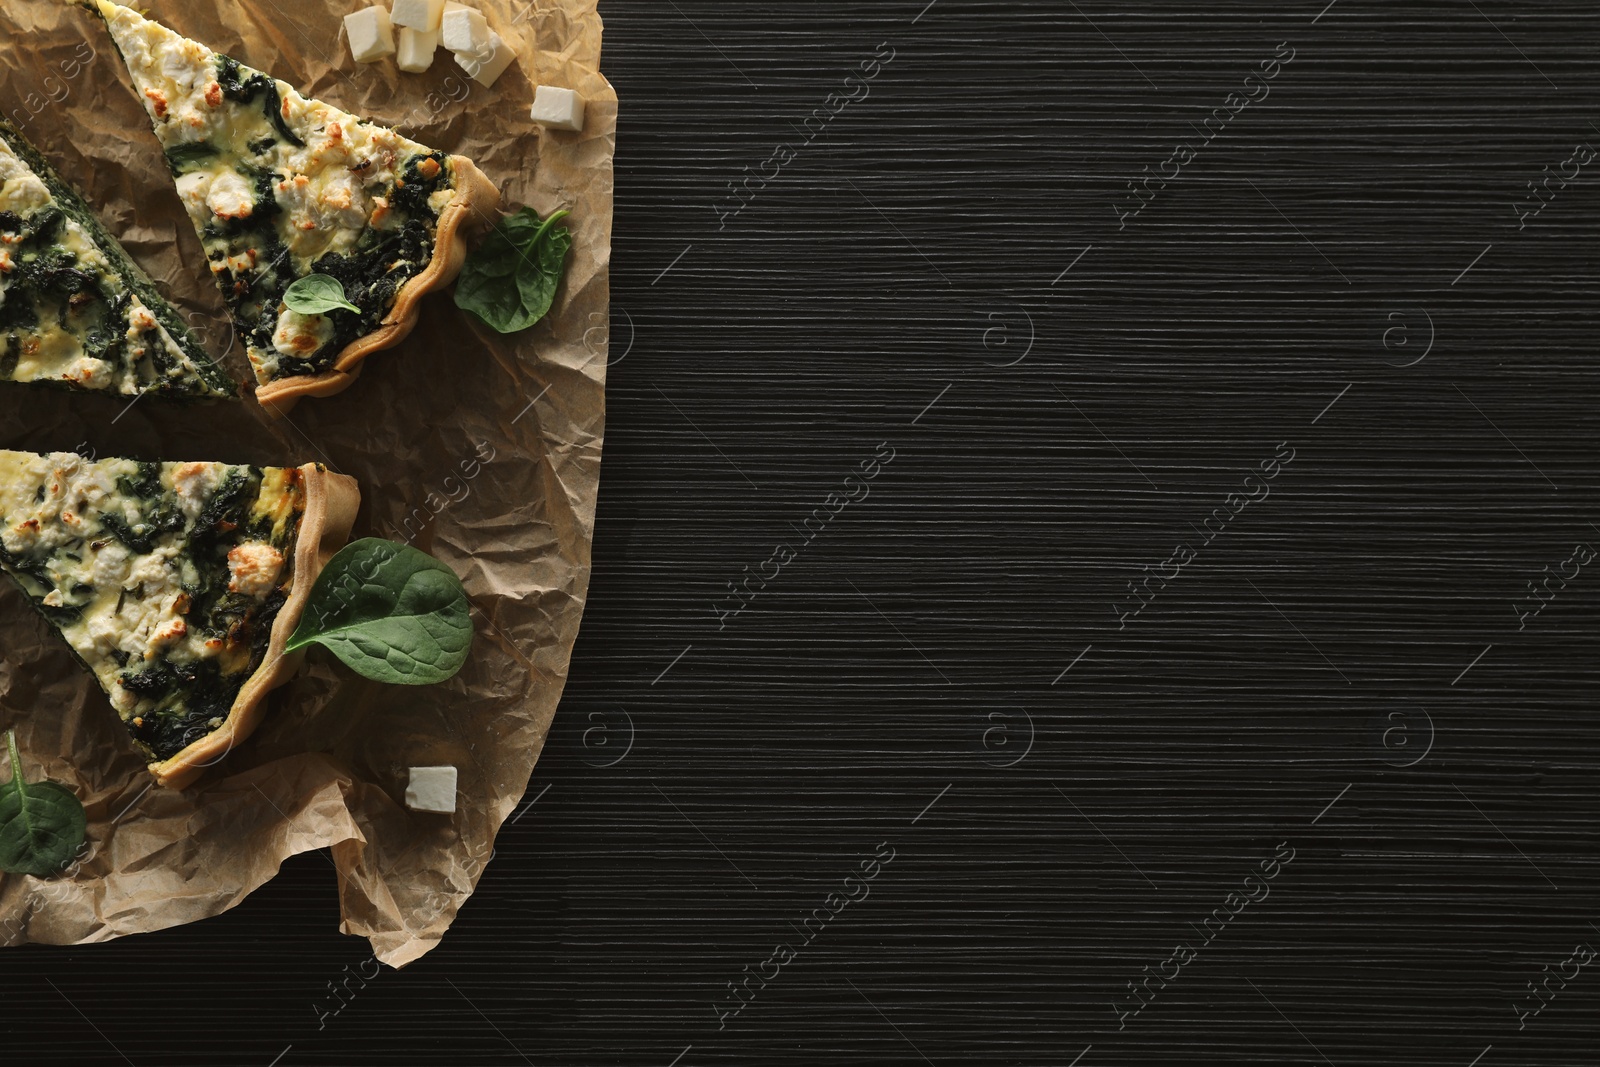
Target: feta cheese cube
(486,65)
(370,33)
(421,15)
(560,109)
(449,6)
(432,789)
(416,49)
(463,30)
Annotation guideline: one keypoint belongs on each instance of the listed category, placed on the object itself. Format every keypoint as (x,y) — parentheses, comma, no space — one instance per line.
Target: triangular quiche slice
(280,186)
(176,584)
(75,310)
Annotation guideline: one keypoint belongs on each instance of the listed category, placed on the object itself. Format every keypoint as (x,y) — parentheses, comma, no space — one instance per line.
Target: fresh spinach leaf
(539,287)
(316,294)
(510,280)
(495,300)
(390,612)
(501,252)
(42,826)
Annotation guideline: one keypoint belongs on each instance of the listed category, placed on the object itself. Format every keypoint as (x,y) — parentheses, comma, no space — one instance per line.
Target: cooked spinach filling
(243,85)
(189,697)
(165,579)
(254,267)
(74,309)
(280,187)
(371,277)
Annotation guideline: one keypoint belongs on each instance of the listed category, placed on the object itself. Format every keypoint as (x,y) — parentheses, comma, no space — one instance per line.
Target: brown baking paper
(480,449)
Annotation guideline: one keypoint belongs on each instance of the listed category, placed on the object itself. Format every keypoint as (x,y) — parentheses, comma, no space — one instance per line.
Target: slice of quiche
(280,187)
(176,584)
(75,310)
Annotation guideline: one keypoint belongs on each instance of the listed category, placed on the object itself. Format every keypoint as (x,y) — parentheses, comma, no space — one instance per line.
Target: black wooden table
(1095,566)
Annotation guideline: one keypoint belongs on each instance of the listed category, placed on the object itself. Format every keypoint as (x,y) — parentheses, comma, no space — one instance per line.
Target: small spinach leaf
(390,612)
(495,300)
(539,287)
(42,826)
(501,252)
(510,281)
(316,294)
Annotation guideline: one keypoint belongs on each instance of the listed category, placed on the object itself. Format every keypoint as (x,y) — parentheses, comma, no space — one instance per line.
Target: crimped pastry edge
(475,194)
(331,504)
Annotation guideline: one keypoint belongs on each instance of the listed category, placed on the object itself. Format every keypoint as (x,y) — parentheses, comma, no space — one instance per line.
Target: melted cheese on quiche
(277,184)
(44,332)
(162,577)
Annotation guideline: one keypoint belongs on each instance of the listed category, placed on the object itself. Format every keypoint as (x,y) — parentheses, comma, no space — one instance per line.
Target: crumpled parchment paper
(482,450)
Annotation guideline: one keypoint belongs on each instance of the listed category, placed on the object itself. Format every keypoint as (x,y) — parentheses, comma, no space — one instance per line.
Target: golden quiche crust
(331,504)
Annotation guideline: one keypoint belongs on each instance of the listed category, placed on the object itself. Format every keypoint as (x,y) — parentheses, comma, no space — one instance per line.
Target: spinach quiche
(75,310)
(280,186)
(176,584)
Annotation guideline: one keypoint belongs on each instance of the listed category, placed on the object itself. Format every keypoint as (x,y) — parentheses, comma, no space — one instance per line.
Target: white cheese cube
(421,15)
(463,30)
(371,36)
(449,6)
(416,49)
(432,789)
(486,65)
(560,109)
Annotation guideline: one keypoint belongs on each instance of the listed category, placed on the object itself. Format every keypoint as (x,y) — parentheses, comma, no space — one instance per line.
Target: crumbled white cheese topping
(254,567)
(194,483)
(331,186)
(300,335)
(88,372)
(51,352)
(111,565)
(326,186)
(139,601)
(230,196)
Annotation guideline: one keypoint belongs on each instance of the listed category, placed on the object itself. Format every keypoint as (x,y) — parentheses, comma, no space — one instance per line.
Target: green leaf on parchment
(510,280)
(390,612)
(42,825)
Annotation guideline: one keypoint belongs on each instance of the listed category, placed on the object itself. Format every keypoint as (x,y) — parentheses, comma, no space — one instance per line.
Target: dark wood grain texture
(947,268)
